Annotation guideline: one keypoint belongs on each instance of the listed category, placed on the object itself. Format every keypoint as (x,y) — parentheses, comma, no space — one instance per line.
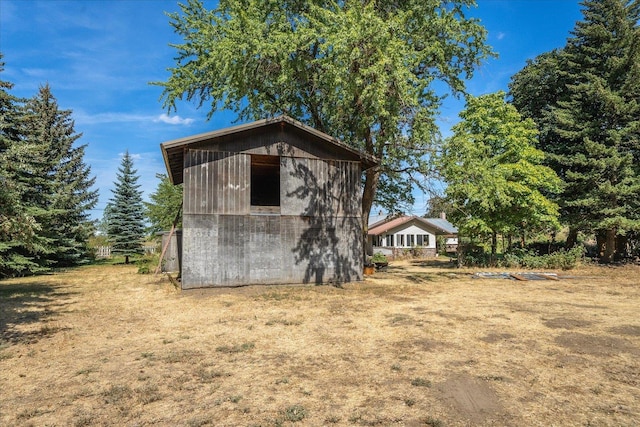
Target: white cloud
(175,120)
(82,117)
(92,119)
(501,35)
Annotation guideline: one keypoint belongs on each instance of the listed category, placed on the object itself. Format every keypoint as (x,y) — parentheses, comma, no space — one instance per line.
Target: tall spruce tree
(16,226)
(64,190)
(591,125)
(24,243)
(125,226)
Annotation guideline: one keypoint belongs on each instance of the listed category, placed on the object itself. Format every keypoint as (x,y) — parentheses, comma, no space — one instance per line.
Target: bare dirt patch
(474,400)
(422,344)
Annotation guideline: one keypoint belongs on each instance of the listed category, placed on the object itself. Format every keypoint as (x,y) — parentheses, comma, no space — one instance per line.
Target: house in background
(394,236)
(268,202)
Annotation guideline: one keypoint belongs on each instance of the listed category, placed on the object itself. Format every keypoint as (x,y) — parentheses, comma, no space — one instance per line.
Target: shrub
(147,263)
(379,257)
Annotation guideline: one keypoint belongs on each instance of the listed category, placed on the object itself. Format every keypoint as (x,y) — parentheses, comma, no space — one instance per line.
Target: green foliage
(379,257)
(125,225)
(164,206)
(586,100)
(295,413)
(44,186)
(563,259)
(148,263)
(364,72)
(496,182)
(523,258)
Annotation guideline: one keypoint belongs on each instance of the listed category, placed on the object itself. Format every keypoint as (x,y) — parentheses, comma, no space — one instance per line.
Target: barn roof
(441,226)
(173,151)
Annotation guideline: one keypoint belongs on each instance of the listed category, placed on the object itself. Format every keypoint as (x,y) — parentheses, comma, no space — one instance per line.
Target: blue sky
(99,56)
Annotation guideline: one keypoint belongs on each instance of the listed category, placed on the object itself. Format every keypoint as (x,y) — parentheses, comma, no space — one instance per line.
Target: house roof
(442,226)
(173,151)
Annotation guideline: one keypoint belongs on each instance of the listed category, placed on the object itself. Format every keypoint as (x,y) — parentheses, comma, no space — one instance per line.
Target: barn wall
(316,238)
(173,254)
(216,182)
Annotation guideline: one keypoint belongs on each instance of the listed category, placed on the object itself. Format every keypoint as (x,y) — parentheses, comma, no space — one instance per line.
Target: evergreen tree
(125,224)
(64,183)
(164,206)
(590,126)
(20,236)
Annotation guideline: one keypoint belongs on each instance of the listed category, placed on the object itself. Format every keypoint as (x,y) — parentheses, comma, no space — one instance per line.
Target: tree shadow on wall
(329,243)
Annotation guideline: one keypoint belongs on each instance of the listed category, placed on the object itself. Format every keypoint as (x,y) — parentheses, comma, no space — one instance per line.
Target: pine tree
(64,189)
(125,225)
(600,121)
(586,100)
(164,206)
(20,236)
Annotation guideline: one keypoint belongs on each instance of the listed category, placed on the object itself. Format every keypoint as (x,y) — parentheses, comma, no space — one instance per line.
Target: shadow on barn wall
(329,246)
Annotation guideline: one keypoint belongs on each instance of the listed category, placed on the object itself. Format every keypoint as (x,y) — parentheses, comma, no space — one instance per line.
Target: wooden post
(166,245)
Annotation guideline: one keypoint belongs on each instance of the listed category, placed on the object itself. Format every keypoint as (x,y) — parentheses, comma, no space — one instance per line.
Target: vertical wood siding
(216,183)
(316,238)
(316,187)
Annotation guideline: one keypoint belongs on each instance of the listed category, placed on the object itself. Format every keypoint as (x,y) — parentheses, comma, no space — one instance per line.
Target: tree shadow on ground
(439,263)
(25,309)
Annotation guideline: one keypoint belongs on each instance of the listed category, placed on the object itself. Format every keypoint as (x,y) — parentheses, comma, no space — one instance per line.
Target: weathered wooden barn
(273,201)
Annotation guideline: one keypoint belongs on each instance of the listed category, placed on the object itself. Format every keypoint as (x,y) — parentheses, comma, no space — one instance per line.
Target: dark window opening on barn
(265,180)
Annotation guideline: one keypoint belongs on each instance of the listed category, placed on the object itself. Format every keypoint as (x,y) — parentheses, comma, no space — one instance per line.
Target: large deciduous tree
(125,225)
(586,100)
(495,180)
(363,71)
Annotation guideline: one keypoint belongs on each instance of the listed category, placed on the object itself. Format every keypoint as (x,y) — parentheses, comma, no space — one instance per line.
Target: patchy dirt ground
(422,344)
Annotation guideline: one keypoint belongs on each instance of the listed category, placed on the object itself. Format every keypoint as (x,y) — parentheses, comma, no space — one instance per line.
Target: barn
(268,202)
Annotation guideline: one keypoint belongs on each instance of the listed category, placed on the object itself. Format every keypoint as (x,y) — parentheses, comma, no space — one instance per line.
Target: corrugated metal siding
(216,182)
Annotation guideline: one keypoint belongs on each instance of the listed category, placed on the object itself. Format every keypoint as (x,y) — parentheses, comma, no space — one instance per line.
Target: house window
(411,240)
(265,180)
(423,239)
(390,240)
(400,239)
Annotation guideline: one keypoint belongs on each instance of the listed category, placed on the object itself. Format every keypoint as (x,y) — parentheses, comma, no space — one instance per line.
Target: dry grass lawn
(418,345)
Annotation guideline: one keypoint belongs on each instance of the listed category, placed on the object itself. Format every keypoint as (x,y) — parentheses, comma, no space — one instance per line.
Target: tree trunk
(572,238)
(600,244)
(622,246)
(494,247)
(370,185)
(126,259)
(609,246)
